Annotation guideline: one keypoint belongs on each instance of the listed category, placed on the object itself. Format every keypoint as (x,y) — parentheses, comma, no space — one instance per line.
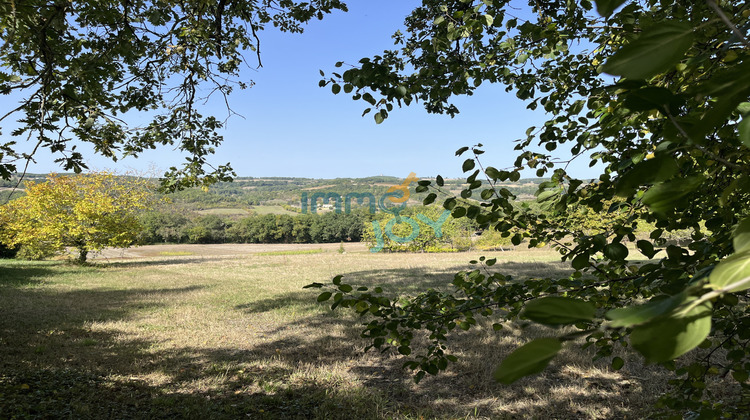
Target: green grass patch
(292,252)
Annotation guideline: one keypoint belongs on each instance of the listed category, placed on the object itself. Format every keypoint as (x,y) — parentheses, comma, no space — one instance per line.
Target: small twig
(257,40)
(712,4)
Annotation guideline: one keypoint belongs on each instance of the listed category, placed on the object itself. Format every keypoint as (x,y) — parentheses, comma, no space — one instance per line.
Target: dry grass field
(229,332)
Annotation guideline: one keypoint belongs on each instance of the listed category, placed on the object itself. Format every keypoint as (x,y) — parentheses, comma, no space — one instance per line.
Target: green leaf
(667,338)
(606,7)
(741,236)
(492,172)
(744,131)
(461,151)
(646,248)
(651,97)
(432,369)
(740,375)
(658,49)
(662,198)
(547,195)
(439,181)
(732,273)
(324,296)
(634,315)
(617,363)
(418,377)
(528,359)
(658,169)
(335,88)
(556,310)
(379,118)
(616,251)
(580,261)
(468,165)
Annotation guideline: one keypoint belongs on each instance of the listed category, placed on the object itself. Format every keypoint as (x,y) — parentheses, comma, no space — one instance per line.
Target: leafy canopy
(88,212)
(655,92)
(82,68)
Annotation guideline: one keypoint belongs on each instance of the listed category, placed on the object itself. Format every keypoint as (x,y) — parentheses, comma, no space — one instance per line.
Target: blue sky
(292,127)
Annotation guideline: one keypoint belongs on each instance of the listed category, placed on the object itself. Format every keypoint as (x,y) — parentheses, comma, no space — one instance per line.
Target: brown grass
(225,336)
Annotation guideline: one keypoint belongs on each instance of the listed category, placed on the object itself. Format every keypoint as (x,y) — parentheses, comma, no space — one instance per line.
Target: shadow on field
(81,394)
(406,282)
(587,391)
(157,262)
(54,362)
(19,275)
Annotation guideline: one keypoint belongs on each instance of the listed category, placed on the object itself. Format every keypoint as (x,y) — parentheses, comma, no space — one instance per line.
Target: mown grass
(291,252)
(239,337)
(175,253)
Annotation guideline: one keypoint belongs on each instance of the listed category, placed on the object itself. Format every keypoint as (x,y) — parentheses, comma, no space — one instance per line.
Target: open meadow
(228,332)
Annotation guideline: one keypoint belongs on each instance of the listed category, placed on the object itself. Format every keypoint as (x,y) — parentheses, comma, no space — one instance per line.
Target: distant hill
(286,192)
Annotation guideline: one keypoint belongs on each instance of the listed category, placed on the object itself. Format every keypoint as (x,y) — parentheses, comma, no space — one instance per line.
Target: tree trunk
(82,254)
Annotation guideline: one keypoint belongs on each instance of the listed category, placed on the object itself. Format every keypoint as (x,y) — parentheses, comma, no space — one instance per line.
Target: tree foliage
(656,93)
(87,212)
(81,68)
(437,231)
(178,226)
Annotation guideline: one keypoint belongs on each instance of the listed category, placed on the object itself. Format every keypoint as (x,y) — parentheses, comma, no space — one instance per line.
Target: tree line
(170,226)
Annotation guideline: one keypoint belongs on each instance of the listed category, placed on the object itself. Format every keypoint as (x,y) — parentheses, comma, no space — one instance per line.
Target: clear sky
(292,127)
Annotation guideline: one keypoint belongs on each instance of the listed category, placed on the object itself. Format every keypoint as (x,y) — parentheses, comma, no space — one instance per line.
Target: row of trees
(173,227)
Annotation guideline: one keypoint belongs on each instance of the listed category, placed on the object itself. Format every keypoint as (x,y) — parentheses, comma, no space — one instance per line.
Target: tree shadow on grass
(155,262)
(19,275)
(54,364)
(589,390)
(405,282)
